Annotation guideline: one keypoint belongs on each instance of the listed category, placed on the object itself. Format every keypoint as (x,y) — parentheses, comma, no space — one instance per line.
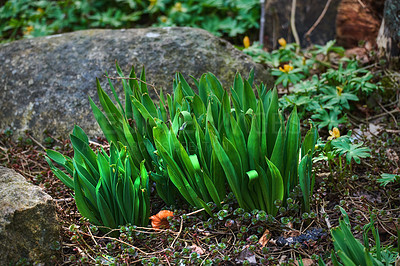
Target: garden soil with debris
(232,236)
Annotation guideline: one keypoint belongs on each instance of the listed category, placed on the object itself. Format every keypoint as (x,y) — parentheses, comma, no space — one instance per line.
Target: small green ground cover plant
(314,86)
(341,148)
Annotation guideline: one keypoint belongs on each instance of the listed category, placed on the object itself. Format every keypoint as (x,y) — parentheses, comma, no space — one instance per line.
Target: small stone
(29,229)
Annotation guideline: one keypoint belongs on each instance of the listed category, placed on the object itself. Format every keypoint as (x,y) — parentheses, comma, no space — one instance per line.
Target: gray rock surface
(45,82)
(28,225)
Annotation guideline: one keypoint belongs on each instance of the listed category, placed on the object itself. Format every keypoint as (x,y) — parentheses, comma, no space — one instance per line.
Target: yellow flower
(28,30)
(246,42)
(334,133)
(163,19)
(152,2)
(178,7)
(282,42)
(286,68)
(40,10)
(304,61)
(339,90)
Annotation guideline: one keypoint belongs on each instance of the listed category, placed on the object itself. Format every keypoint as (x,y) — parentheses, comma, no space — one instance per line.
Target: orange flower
(246,42)
(286,68)
(339,90)
(282,42)
(334,133)
(160,219)
(28,30)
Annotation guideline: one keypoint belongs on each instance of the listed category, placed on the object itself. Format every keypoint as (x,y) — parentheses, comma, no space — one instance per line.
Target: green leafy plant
(329,118)
(108,189)
(325,96)
(327,49)
(337,147)
(353,252)
(287,75)
(388,178)
(352,151)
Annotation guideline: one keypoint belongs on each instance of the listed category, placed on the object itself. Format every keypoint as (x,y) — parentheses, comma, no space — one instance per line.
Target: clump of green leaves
(198,150)
(109,190)
(352,252)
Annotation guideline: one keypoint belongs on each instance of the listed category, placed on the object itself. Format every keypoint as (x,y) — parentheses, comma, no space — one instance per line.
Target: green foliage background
(26,19)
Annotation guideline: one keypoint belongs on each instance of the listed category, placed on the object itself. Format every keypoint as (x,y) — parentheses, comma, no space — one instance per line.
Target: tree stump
(358,21)
(388,40)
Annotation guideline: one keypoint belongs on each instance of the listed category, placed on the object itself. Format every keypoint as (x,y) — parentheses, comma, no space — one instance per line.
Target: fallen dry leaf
(265,238)
(160,220)
(248,255)
(197,249)
(392,155)
(291,233)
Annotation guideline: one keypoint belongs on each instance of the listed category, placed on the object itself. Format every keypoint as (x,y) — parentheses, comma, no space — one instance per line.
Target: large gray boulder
(45,82)
(29,229)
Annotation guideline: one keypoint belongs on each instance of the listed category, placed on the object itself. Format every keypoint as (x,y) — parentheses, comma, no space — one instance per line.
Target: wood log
(358,21)
(388,40)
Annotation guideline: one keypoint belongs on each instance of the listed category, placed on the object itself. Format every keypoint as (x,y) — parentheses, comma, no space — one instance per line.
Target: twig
(262,23)
(98,144)
(180,231)
(328,223)
(37,142)
(392,130)
(307,34)
(292,23)
(361,3)
(82,252)
(383,114)
(67,199)
(91,235)
(200,210)
(366,121)
(264,7)
(123,242)
(384,109)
